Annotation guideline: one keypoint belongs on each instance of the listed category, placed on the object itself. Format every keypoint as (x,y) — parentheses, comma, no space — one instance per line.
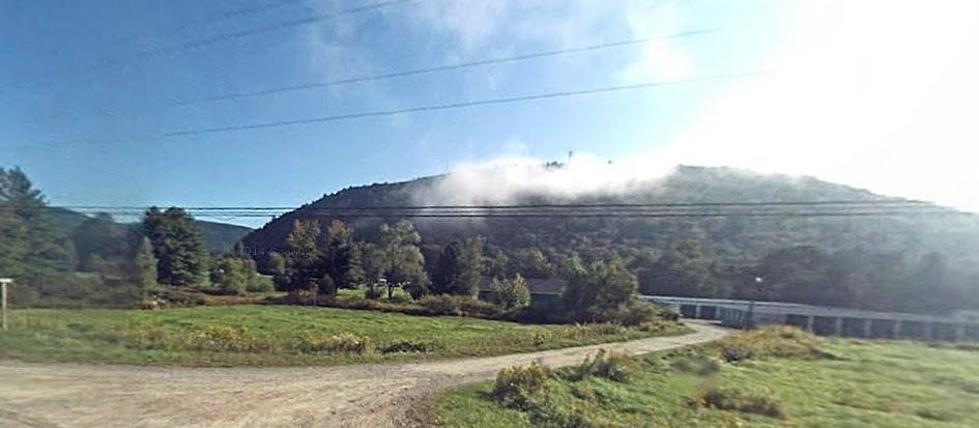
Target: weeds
(759,402)
(515,386)
(780,341)
(409,346)
(613,366)
(696,364)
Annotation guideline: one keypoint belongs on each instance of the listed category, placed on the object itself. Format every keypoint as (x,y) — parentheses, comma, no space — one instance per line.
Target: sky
(874,94)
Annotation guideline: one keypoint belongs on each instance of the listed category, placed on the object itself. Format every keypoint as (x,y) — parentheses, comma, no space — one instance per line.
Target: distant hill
(894,262)
(732,240)
(221,236)
(218,237)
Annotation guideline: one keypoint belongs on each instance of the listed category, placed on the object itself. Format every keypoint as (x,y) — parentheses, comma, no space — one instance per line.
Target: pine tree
(458,268)
(30,247)
(146,266)
(178,245)
(303,267)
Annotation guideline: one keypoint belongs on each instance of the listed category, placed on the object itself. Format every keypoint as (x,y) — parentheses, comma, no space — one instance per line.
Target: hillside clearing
(279,336)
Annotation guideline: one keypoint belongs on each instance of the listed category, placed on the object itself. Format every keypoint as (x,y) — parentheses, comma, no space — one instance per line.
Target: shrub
(409,346)
(510,294)
(400,298)
(667,313)
(697,364)
(633,315)
(654,326)
(515,386)
(260,284)
(475,307)
(440,305)
(775,341)
(613,366)
(732,398)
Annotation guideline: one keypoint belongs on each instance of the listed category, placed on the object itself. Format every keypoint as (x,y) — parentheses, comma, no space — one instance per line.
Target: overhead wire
(457,105)
(404,73)
(220,38)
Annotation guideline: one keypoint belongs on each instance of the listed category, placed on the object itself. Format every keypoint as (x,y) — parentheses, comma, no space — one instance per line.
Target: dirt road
(73,395)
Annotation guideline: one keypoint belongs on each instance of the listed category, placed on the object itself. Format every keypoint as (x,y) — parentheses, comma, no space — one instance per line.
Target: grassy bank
(279,335)
(751,380)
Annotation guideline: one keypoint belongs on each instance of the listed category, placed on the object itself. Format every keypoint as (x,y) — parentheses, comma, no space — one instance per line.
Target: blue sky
(57,79)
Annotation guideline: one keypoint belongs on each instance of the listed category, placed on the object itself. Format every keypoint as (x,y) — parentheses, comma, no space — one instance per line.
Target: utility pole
(3,300)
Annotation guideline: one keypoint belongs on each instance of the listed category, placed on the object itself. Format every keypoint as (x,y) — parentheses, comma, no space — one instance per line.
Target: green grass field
(860,384)
(278,336)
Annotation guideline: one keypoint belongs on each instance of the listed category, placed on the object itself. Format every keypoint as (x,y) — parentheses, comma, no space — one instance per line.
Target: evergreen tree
(340,256)
(458,268)
(30,248)
(303,268)
(99,239)
(178,245)
(146,266)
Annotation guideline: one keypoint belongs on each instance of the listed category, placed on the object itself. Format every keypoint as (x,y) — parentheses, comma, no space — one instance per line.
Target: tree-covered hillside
(218,237)
(894,262)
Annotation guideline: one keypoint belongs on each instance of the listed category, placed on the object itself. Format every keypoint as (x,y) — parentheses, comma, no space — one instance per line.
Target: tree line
(118,262)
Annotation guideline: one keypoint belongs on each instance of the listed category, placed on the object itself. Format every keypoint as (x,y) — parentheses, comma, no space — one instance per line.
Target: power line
(775,209)
(419,109)
(408,73)
(200,43)
(220,17)
(451,106)
(447,67)
(613,215)
(911,202)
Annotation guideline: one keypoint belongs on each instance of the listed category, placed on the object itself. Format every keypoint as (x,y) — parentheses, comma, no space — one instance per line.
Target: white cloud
(472,21)
(877,94)
(662,59)
(503,178)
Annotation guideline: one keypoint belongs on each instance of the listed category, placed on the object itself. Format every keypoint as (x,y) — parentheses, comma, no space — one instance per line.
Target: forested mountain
(895,262)
(218,237)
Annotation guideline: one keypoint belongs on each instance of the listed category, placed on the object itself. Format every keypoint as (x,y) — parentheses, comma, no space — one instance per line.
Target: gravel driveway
(76,395)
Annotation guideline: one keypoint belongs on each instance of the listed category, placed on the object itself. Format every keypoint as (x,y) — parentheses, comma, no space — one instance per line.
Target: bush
(775,341)
(439,305)
(260,284)
(400,298)
(695,363)
(515,386)
(732,398)
(613,366)
(474,307)
(633,315)
(409,346)
(510,294)
(667,313)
